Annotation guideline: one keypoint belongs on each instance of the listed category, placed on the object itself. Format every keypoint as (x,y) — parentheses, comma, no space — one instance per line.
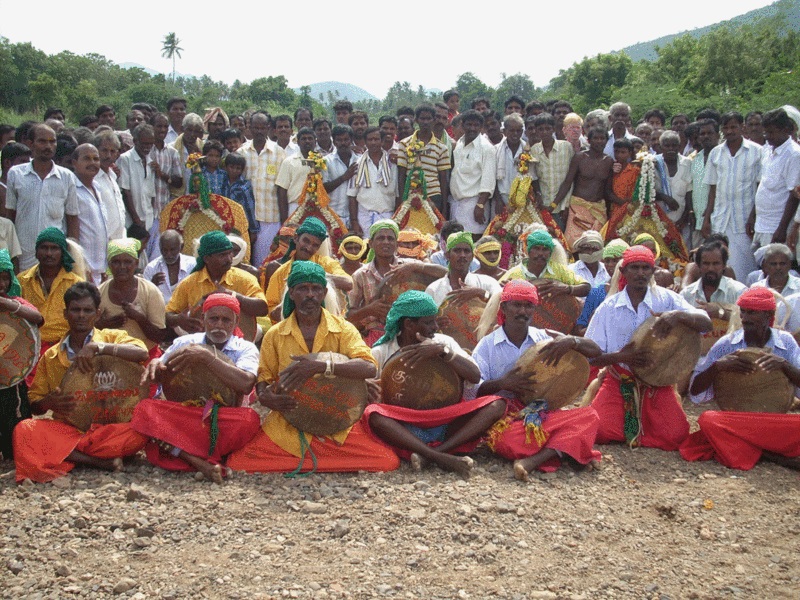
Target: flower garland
(317,161)
(414,150)
(415,195)
(199,185)
(644,198)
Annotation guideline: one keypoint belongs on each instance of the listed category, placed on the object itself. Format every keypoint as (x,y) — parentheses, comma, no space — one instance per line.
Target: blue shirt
(215,180)
(241,191)
(595,298)
(780,342)
(496,355)
(244,354)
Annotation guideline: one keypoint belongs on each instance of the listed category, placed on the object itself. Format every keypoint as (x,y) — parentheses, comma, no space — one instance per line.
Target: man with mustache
(172,267)
(713,292)
(184,438)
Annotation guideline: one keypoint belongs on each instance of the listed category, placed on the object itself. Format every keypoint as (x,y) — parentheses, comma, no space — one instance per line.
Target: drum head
(673,358)
(561,384)
(462,321)
(107,394)
(327,405)
(196,384)
(760,391)
(413,281)
(559,313)
(20,345)
(424,386)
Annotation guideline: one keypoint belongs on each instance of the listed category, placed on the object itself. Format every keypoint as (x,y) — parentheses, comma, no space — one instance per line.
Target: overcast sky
(369,44)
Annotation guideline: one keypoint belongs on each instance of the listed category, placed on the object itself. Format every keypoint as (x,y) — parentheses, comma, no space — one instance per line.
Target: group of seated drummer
(296,306)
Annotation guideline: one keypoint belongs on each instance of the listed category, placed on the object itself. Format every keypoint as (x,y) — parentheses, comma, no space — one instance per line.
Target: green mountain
(339,91)
(789,9)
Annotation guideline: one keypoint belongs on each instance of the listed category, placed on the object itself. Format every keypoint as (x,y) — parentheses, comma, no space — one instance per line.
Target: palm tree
(170,48)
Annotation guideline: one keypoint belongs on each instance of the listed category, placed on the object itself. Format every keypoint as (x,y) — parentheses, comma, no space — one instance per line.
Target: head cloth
(55,236)
(412,303)
(517,290)
(212,242)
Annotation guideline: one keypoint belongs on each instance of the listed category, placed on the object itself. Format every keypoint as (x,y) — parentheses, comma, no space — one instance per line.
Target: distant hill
(346,91)
(790,9)
(151,72)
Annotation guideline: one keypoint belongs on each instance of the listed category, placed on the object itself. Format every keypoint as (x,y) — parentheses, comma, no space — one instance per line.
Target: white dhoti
(740,254)
(463,211)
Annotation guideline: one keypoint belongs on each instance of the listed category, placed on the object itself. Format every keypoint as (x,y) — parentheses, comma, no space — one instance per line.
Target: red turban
(219,299)
(517,290)
(757,298)
(635,254)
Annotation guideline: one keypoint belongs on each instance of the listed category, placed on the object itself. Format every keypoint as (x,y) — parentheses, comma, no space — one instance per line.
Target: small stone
(740,569)
(141,542)
(133,494)
(15,566)
(62,483)
(123,585)
(340,530)
(775,559)
(80,523)
(542,595)
(706,534)
(63,571)
(144,532)
(651,588)
(315,508)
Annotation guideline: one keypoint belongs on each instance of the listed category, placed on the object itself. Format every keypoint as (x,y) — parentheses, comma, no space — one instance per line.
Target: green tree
(170,48)
(518,84)
(470,87)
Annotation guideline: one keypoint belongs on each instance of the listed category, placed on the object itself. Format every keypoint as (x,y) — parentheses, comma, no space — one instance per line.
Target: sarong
(583,216)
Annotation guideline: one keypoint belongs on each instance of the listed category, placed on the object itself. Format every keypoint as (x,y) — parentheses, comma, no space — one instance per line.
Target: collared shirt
(615,320)
(473,168)
(51,305)
(609,149)
(553,270)
(56,360)
(496,355)
(39,203)
(727,292)
(191,290)
(170,164)
(292,177)
(552,170)
(93,232)
(241,192)
(292,149)
(277,283)
(434,158)
(385,351)
(148,301)
(680,184)
(106,184)
(699,189)
(780,174)
(66,347)
(366,281)
(215,180)
(138,178)
(792,285)
(262,171)
(377,197)
(337,168)
(244,354)
(506,167)
(581,270)
(439,289)
(781,343)
(172,135)
(736,178)
(158,265)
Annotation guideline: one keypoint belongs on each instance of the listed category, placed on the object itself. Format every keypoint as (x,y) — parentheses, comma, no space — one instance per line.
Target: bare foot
(417,461)
(212,473)
(520,472)
(456,464)
(119,466)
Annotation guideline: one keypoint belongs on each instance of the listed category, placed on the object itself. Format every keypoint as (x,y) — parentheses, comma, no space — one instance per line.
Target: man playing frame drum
(752,374)
(423,434)
(533,435)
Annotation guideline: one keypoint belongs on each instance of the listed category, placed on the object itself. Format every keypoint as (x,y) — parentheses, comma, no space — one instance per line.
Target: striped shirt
(170,164)
(552,170)
(262,172)
(434,158)
(736,178)
(699,189)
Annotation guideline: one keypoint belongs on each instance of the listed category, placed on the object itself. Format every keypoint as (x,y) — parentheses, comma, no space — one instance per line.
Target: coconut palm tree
(170,48)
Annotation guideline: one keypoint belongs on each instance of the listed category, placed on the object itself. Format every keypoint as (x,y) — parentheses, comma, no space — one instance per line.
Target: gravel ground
(644,525)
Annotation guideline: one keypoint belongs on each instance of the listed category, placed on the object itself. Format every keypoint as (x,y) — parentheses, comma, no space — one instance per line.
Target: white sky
(325,42)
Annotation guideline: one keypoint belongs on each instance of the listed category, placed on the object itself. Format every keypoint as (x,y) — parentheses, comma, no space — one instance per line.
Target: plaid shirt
(366,281)
(215,180)
(262,171)
(241,191)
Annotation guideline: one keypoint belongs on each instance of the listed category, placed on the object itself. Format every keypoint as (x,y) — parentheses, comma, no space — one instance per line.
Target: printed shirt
(262,172)
(736,178)
(434,158)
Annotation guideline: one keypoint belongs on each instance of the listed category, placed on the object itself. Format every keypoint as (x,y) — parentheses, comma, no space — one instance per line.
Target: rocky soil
(644,525)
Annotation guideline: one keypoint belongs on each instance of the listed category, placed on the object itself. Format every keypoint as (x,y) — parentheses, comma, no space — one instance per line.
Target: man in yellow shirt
(308,327)
(45,449)
(307,240)
(214,272)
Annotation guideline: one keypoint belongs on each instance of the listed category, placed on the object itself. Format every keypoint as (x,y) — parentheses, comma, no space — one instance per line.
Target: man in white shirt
(172,267)
(41,194)
(589,265)
(137,179)
(107,144)
(176,110)
(91,211)
(342,164)
(473,178)
(459,284)
(372,193)
(508,153)
(294,172)
(619,116)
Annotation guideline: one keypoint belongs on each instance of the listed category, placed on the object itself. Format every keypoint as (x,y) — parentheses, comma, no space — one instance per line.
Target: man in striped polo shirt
(434,159)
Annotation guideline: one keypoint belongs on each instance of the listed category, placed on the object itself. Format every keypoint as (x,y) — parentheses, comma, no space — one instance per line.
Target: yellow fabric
(553,270)
(51,306)
(285,340)
(191,290)
(54,363)
(277,283)
(148,299)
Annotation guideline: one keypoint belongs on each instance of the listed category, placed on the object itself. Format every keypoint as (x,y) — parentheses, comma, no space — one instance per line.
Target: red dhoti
(184,427)
(429,418)
(737,439)
(663,423)
(359,452)
(571,432)
(41,446)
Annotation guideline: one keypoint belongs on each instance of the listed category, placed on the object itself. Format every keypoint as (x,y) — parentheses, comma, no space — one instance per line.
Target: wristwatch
(721,312)
(100,347)
(447,354)
(480,205)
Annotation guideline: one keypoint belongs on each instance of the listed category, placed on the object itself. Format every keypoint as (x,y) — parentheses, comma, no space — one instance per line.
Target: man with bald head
(41,194)
(91,211)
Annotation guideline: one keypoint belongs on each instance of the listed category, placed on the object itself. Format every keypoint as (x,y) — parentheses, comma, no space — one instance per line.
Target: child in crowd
(13,154)
(239,189)
(625,172)
(215,176)
(232,139)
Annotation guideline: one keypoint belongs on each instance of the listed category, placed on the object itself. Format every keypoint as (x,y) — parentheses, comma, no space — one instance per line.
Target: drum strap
(304,446)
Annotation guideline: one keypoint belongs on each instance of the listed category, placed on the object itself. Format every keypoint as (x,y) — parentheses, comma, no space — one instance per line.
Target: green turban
(312,226)
(6,265)
(412,303)
(615,248)
(460,237)
(55,236)
(376,227)
(212,242)
(303,271)
(540,238)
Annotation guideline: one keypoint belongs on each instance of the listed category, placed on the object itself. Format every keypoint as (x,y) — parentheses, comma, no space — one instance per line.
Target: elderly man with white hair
(776,266)
(589,266)
(619,117)
(188,142)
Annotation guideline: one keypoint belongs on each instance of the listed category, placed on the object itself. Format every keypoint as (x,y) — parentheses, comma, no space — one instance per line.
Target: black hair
(480,99)
(778,118)
(732,116)
(343,105)
(317,122)
(404,110)
(81,290)
(235,159)
(623,143)
(449,94)
(707,123)
(387,119)
(709,113)
(104,108)
(282,118)
(428,108)
(656,113)
(341,130)
(52,111)
(514,98)
(597,130)
(304,109)
(230,134)
(13,150)
(306,131)
(213,145)
(175,100)
(708,247)
(451,227)
(544,118)
(87,120)
(472,115)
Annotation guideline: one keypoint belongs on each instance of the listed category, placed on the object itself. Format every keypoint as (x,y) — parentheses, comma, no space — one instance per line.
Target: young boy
(212,150)
(239,189)
(625,172)
(231,139)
